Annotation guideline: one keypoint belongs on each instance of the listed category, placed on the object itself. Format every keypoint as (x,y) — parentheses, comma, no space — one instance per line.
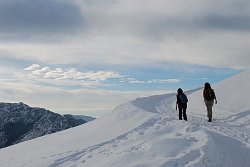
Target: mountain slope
(20,122)
(83,117)
(233,99)
(145,132)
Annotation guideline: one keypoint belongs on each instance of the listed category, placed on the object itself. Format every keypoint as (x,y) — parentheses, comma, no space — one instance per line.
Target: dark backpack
(183,98)
(209,94)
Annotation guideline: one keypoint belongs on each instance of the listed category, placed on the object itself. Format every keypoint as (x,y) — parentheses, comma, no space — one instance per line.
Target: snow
(146,133)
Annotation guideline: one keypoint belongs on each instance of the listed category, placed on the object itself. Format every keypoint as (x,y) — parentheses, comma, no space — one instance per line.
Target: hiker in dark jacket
(182,104)
(209,98)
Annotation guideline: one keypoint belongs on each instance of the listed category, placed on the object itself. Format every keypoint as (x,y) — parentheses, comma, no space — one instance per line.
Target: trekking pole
(176,106)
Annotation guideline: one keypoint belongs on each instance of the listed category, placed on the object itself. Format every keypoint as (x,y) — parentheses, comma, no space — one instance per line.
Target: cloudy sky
(88,56)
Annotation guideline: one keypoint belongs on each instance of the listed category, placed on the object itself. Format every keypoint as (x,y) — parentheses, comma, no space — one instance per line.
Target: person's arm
(204,94)
(215,98)
(177,101)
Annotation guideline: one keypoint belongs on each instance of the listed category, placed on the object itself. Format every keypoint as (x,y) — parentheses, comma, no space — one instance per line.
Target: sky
(88,56)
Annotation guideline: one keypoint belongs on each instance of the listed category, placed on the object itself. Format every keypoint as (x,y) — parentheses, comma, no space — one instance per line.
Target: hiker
(209,98)
(182,104)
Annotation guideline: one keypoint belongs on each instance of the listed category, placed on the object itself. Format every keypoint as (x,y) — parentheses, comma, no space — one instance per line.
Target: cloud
(145,33)
(153,81)
(32,67)
(164,17)
(96,79)
(166,30)
(71,75)
(230,22)
(29,18)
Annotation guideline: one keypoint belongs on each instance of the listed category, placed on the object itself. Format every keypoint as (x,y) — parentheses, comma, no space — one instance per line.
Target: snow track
(193,143)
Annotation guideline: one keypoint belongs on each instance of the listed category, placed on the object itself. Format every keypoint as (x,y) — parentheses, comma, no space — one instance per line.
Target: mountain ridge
(20,122)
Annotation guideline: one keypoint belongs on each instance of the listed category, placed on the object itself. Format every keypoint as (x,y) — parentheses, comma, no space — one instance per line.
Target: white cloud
(39,72)
(101,75)
(159,81)
(54,74)
(33,67)
(71,75)
(88,79)
(165,80)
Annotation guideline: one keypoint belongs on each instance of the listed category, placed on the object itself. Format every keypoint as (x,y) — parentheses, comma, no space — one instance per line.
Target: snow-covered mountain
(84,117)
(20,122)
(146,132)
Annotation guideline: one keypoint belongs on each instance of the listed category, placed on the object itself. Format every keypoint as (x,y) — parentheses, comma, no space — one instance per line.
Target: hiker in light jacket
(182,104)
(209,98)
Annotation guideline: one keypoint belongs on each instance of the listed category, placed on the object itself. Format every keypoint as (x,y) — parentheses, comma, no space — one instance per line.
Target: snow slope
(233,99)
(146,133)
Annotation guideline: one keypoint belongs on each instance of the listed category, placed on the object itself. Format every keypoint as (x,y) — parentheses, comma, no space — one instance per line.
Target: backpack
(209,94)
(183,98)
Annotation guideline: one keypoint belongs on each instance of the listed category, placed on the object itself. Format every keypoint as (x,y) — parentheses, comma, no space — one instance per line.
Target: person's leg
(185,114)
(209,105)
(180,113)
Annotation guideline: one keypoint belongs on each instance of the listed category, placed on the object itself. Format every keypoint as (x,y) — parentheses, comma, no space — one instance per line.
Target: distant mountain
(20,122)
(83,117)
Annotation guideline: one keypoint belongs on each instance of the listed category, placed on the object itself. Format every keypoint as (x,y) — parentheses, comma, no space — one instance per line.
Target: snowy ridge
(145,132)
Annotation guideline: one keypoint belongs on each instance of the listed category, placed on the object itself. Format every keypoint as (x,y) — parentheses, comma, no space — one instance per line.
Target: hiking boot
(209,120)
